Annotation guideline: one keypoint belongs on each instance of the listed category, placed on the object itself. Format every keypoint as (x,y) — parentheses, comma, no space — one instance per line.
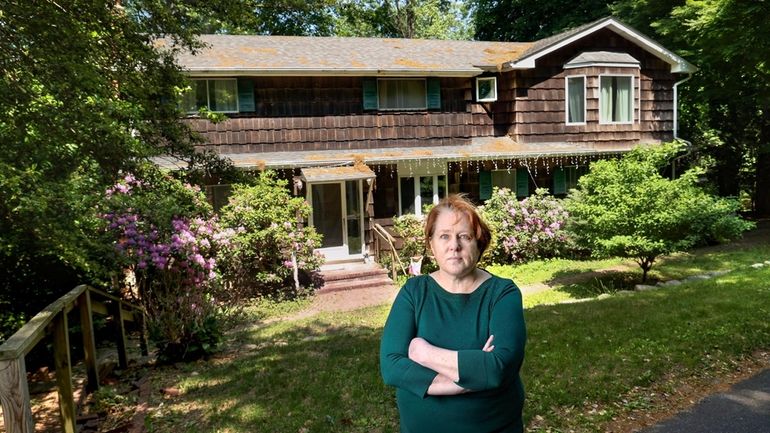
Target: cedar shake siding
(327,113)
(539,101)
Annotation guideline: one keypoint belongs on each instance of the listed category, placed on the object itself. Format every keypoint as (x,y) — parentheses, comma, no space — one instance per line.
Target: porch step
(354,276)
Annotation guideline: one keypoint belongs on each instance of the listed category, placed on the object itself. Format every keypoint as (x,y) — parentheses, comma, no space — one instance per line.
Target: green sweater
(461,322)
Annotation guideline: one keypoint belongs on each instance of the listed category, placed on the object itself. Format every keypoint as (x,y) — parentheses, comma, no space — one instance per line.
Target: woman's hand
(488,346)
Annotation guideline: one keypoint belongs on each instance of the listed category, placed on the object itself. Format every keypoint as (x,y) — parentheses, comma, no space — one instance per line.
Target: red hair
(460,204)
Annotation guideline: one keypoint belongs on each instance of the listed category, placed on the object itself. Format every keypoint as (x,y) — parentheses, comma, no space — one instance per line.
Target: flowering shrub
(165,241)
(524,230)
(272,254)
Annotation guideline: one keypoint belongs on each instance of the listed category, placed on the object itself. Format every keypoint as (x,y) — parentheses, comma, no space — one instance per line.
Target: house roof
(546,46)
(479,149)
(298,55)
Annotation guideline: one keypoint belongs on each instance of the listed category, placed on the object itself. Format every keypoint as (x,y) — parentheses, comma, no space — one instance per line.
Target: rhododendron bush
(165,241)
(529,229)
(273,254)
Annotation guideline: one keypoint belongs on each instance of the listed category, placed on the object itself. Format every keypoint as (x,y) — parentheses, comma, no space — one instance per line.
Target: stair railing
(382,233)
(52,320)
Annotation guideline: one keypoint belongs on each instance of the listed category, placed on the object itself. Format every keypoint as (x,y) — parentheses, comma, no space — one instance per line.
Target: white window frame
(633,99)
(425,104)
(208,101)
(418,204)
(566,99)
(494,89)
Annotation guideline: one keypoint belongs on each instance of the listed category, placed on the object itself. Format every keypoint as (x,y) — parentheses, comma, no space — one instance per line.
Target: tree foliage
(424,19)
(626,208)
(527,20)
(85,94)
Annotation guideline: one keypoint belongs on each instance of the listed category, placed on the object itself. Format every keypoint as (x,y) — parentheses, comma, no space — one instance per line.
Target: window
(402,94)
(486,89)
(576,100)
(418,191)
(219,95)
(616,99)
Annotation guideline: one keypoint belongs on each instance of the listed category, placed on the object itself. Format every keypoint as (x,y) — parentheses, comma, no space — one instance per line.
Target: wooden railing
(14,390)
(381,233)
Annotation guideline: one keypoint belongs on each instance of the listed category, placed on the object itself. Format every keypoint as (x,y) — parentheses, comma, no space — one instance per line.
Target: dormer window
(576,100)
(616,99)
(486,89)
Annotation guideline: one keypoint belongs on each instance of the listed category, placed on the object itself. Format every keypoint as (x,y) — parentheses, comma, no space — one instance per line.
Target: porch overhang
(331,174)
(479,149)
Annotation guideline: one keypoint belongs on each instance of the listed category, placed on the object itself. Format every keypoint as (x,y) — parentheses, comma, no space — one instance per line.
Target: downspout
(676,126)
(676,105)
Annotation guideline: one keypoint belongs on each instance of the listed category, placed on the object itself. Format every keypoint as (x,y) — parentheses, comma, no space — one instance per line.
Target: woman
(453,343)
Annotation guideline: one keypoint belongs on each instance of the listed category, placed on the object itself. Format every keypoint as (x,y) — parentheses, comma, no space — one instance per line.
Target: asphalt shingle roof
(365,55)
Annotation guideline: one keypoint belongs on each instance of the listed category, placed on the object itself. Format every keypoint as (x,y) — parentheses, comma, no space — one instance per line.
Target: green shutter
(246,95)
(485,185)
(434,94)
(522,182)
(370,93)
(559,181)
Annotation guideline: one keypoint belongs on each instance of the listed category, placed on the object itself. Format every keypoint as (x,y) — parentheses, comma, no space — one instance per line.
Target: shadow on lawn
(320,377)
(590,284)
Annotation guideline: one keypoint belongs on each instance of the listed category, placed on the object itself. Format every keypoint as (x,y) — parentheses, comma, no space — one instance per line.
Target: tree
(728,100)
(274,17)
(527,20)
(85,94)
(424,19)
(626,208)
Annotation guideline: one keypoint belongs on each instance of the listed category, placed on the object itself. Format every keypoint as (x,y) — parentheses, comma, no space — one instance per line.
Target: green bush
(625,207)
(411,229)
(269,243)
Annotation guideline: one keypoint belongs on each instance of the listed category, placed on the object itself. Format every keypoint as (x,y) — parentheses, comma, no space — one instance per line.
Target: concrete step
(353,284)
(353,274)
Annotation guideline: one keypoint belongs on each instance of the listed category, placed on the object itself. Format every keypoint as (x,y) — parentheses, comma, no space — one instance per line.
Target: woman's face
(454,244)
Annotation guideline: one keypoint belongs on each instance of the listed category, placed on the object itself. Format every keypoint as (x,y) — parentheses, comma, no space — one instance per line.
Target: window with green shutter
(219,95)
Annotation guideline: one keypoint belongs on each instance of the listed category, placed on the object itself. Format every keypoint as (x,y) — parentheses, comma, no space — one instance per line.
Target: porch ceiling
(480,148)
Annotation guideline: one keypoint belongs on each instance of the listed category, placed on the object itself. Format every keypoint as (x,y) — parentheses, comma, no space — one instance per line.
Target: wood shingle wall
(539,97)
(326,113)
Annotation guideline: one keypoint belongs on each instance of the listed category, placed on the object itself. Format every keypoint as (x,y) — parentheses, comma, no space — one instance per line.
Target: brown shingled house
(372,128)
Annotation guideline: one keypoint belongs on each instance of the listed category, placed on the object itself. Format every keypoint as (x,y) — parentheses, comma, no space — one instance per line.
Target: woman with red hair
(454,340)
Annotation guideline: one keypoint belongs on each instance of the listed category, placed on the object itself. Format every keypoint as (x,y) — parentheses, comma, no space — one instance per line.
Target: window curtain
(576,100)
(623,99)
(606,98)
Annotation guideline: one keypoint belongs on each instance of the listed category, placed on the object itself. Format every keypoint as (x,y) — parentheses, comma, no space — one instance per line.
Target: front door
(338,216)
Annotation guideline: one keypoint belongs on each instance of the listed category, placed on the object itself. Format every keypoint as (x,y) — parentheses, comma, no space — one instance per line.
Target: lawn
(588,364)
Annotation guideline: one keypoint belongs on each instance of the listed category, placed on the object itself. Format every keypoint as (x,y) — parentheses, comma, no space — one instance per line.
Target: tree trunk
(727,169)
(762,173)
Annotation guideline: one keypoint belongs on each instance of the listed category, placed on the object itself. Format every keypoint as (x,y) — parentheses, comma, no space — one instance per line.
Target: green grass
(586,362)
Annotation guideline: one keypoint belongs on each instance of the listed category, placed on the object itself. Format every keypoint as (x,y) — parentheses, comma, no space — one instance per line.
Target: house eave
(357,72)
